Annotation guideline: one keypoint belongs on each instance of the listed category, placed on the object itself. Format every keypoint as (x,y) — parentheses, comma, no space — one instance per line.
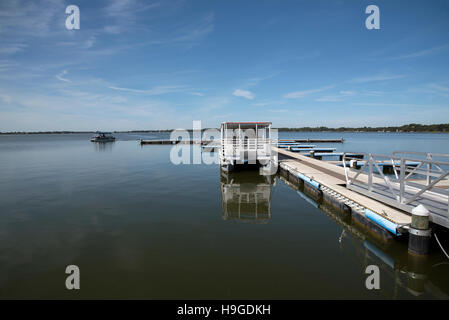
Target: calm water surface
(140,227)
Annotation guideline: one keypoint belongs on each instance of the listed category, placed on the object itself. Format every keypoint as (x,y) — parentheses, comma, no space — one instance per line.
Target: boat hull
(102,140)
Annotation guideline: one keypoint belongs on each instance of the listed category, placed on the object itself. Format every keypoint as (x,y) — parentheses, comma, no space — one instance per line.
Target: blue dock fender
(313,183)
(381,221)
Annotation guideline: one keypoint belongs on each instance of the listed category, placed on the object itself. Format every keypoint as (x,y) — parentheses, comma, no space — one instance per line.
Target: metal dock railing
(416,178)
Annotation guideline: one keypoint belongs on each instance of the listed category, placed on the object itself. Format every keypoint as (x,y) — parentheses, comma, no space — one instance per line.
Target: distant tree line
(412,127)
(45,132)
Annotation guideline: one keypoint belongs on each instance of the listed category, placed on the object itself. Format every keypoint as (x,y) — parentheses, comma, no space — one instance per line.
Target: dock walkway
(167,141)
(312,140)
(331,179)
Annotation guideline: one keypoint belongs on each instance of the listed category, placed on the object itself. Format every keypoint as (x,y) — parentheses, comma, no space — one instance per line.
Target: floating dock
(415,193)
(323,179)
(175,141)
(321,149)
(308,140)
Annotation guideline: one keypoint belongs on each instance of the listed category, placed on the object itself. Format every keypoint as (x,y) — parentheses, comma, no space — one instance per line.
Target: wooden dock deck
(332,181)
(167,141)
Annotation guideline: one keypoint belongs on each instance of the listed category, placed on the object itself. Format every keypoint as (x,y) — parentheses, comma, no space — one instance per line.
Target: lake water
(139,226)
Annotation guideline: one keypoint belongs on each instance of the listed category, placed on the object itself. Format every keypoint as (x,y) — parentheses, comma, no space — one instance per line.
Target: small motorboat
(103,137)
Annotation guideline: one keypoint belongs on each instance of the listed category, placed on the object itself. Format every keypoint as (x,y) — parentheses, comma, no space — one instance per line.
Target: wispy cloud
(120,8)
(442,90)
(198,94)
(302,94)
(7,65)
(31,18)
(329,99)
(337,97)
(197,30)
(244,94)
(403,105)
(12,48)
(261,104)
(252,82)
(431,89)
(158,90)
(378,77)
(439,87)
(125,14)
(373,92)
(266,103)
(348,93)
(89,43)
(5,98)
(423,53)
(60,76)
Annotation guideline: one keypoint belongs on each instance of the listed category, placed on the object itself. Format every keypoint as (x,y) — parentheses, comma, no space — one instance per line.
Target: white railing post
(346,169)
(402,181)
(370,173)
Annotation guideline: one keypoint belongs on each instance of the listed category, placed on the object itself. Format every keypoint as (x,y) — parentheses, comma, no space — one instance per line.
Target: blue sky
(137,64)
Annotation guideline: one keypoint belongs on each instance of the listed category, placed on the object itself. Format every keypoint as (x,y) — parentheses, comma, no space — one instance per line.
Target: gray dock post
(417,269)
(419,232)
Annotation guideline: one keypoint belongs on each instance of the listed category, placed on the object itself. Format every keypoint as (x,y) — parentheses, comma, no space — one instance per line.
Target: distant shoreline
(409,128)
(93,132)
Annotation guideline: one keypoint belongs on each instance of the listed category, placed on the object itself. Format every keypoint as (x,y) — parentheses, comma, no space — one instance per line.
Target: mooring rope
(447,256)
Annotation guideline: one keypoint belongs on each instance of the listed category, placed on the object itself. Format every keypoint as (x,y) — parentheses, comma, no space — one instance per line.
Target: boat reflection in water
(103,146)
(246,196)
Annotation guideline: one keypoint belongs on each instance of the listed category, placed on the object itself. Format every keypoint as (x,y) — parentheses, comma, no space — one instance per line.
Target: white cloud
(6,65)
(127,8)
(378,77)
(252,82)
(31,18)
(302,94)
(439,87)
(244,94)
(12,48)
(261,104)
(347,93)
(60,76)
(373,92)
(265,103)
(336,98)
(406,105)
(329,99)
(158,90)
(90,42)
(195,31)
(5,98)
(422,53)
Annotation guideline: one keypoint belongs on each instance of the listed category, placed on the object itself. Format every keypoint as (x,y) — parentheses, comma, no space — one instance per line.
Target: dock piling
(419,232)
